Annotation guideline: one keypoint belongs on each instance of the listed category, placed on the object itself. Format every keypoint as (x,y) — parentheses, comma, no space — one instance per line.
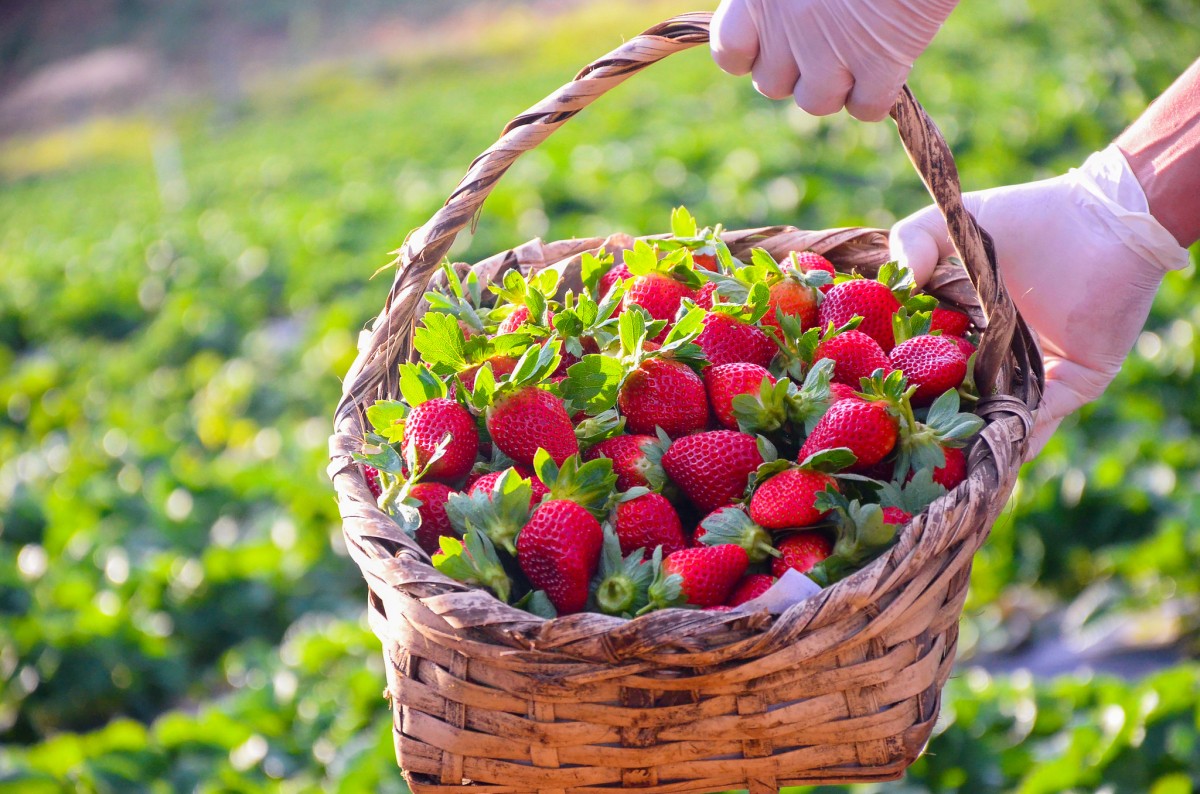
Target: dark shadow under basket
(844,687)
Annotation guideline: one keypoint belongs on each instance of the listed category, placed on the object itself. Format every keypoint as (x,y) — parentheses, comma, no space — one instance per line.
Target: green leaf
(592,384)
(473,562)
(830,460)
(440,342)
(387,419)
(382,456)
(682,223)
(592,267)
(536,602)
(419,385)
(631,327)
(590,485)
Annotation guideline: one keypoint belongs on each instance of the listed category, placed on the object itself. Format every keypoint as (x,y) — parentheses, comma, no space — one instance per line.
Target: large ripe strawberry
(487,483)
(634,460)
(750,587)
(663,393)
(869,429)
(855,355)
(726,381)
(791,298)
(708,575)
(950,322)
(933,364)
(801,552)
(434,522)
(712,468)
(522,421)
(727,340)
(657,293)
(786,500)
(431,422)
(646,522)
(872,300)
(559,550)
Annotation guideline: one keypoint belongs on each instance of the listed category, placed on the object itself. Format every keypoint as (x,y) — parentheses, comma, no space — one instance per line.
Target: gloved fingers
(775,73)
(872,97)
(733,37)
(823,92)
(919,241)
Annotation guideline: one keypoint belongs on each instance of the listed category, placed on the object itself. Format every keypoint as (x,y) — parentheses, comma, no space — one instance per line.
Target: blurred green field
(179,294)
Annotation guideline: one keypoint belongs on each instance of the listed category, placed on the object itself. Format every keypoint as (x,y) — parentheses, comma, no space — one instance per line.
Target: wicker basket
(842,687)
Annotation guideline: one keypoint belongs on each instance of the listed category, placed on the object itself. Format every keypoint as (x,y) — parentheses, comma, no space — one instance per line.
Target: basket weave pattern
(842,687)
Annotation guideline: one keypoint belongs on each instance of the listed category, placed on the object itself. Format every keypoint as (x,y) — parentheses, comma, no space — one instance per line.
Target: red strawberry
(705,296)
(429,423)
(871,299)
(726,340)
(950,322)
(524,420)
(617,271)
(559,550)
(966,347)
(709,574)
(868,429)
(434,522)
(712,468)
(705,261)
(840,391)
(512,322)
(663,393)
(792,298)
(726,381)
(801,552)
(786,500)
(810,260)
(487,483)
(855,356)
(933,364)
(372,475)
(646,522)
(501,366)
(955,469)
(630,462)
(658,294)
(894,515)
(751,587)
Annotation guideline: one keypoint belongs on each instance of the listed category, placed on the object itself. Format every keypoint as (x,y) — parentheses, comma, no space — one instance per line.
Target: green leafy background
(180,292)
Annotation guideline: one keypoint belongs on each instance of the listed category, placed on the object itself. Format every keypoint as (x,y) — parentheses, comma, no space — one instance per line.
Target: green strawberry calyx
(534,366)
(499,514)
(666,590)
(464,301)
(590,485)
(922,443)
(861,535)
(473,560)
(621,586)
(733,525)
(646,259)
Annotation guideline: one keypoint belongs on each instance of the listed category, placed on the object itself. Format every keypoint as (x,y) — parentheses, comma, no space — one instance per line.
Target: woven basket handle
(374,372)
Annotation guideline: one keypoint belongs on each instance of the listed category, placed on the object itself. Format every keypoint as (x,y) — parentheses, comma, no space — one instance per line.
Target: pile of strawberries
(681,431)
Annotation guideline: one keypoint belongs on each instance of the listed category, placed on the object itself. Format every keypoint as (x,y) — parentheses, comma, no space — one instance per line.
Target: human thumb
(919,241)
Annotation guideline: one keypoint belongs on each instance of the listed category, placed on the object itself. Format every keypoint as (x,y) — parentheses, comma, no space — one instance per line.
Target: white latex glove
(827,53)
(1082,259)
